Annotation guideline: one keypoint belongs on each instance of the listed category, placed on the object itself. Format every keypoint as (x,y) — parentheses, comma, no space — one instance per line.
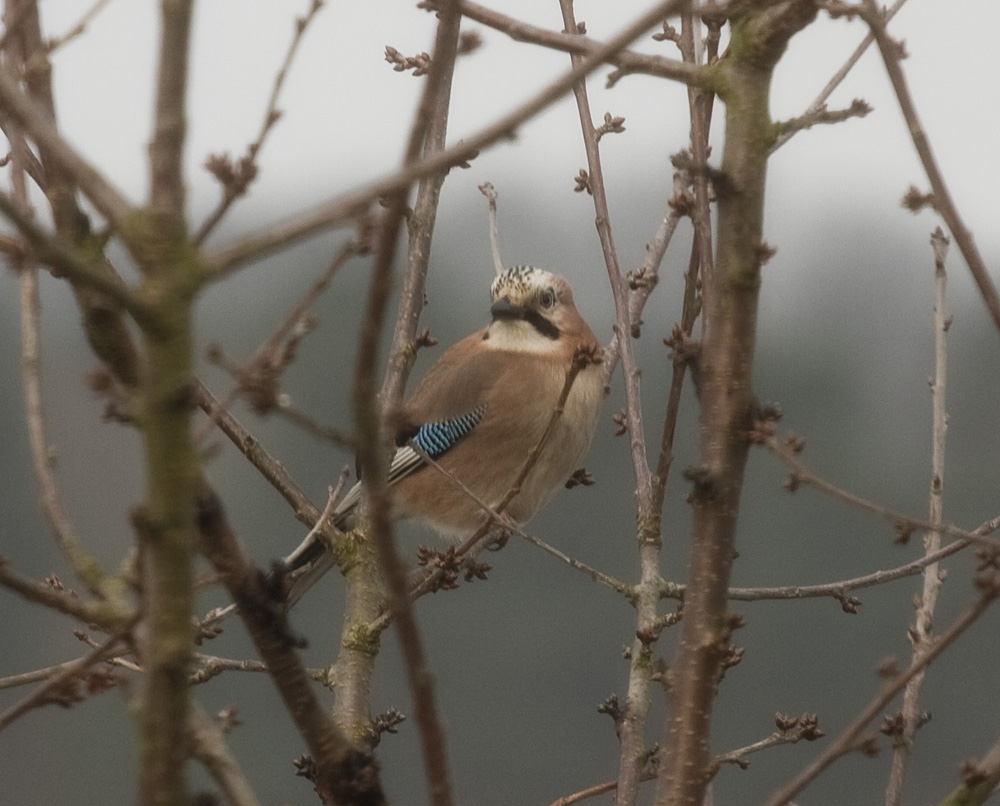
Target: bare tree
(69,222)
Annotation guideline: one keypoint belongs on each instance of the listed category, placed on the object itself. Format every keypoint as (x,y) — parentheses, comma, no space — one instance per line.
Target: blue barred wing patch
(436,438)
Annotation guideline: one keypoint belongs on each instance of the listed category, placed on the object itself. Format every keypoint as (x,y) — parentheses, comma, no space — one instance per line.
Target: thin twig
(271,357)
(247,167)
(922,630)
(67,672)
(106,614)
(943,202)
(78,29)
(628,62)
(584,794)
(837,589)
(739,756)
(837,78)
(904,524)
(649,532)
(325,432)
(344,208)
(495,516)
(270,468)
(209,666)
(490,193)
(839,746)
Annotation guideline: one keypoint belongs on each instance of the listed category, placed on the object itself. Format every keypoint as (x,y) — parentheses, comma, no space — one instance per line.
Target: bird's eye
(548,298)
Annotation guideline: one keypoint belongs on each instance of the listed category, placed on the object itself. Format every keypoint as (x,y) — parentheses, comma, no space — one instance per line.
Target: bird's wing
(434,439)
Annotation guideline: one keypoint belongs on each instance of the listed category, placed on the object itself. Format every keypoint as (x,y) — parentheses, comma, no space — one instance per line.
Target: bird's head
(533,311)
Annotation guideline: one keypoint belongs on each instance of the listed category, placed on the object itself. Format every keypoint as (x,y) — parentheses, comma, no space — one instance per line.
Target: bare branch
(85,566)
(921,632)
(258,377)
(628,62)
(277,476)
(67,673)
(838,77)
(78,29)
(426,135)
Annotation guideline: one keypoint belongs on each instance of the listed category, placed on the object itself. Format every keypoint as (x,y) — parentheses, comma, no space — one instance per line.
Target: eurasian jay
(479,411)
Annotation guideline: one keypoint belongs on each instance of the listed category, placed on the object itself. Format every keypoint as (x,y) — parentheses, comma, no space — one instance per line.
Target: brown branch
(584,794)
(846,739)
(105,326)
(808,730)
(727,402)
(46,247)
(628,62)
(495,516)
(85,566)
(342,209)
(78,29)
(427,140)
(165,524)
(367,410)
(633,723)
(246,171)
(166,151)
(270,468)
(643,280)
(107,614)
(837,589)
(943,202)
(210,666)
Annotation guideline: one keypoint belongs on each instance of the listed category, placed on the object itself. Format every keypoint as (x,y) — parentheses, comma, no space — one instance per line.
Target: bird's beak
(503,308)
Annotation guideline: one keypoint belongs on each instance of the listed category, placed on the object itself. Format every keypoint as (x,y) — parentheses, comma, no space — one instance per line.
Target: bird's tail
(312,558)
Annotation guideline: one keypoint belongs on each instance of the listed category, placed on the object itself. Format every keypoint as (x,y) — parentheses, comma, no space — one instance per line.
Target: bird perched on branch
(480,412)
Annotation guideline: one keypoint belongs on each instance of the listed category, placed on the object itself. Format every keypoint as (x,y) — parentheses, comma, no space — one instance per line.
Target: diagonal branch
(628,62)
(237,184)
(849,735)
(345,774)
(342,209)
(943,202)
